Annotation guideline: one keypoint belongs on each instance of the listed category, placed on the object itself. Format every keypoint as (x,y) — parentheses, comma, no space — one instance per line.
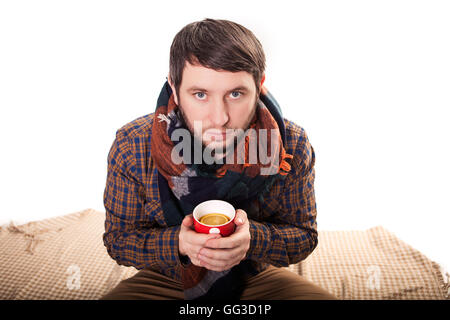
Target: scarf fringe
(284,165)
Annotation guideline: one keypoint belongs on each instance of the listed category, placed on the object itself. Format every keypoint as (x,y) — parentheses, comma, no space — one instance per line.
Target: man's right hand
(190,242)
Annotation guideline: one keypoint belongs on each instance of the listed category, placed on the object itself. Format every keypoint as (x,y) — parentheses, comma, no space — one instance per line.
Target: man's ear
(173,89)
(262,80)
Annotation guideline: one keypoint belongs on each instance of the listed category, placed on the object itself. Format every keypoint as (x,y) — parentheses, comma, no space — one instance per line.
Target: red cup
(214,206)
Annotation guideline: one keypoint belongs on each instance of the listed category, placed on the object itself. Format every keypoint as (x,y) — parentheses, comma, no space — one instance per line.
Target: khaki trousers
(271,284)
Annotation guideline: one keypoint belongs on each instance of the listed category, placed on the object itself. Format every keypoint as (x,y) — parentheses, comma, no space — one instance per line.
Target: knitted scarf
(184,185)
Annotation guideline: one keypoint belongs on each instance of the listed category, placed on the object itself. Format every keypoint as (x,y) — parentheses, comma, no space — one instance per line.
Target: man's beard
(223,151)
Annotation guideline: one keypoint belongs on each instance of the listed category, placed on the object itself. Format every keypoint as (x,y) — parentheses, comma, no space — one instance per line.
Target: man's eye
(235,94)
(200,95)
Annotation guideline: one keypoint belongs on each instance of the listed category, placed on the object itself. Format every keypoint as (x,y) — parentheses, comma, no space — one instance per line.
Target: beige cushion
(64,258)
(45,259)
(373,264)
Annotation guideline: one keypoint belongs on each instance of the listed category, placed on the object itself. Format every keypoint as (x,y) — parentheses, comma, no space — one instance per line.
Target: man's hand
(190,242)
(225,252)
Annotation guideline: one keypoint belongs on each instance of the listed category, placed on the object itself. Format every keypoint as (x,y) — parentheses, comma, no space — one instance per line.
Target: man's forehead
(200,78)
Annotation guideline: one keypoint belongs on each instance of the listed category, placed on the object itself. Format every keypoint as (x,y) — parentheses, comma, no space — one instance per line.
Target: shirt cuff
(259,240)
(184,261)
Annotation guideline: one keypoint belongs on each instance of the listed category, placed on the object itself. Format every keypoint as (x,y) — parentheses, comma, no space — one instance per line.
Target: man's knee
(282,284)
(297,287)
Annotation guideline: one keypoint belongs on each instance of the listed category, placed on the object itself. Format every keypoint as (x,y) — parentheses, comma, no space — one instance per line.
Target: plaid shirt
(137,235)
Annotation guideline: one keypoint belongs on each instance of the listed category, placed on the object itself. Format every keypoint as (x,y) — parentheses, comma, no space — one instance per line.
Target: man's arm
(130,237)
(294,234)
(288,237)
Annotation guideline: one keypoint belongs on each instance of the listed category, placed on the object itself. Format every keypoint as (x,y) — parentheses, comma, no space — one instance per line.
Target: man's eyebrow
(195,88)
(240,88)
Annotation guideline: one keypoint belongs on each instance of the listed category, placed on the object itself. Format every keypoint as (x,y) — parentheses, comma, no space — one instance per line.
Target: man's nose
(219,114)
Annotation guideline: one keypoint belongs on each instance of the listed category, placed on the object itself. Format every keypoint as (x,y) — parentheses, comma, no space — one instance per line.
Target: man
(214,92)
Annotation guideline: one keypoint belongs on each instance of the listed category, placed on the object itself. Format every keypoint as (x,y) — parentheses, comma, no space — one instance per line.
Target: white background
(369,81)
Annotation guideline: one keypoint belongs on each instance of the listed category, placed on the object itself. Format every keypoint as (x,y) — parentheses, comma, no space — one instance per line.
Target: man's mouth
(217,134)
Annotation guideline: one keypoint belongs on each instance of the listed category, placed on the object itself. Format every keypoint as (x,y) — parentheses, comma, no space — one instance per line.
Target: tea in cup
(214,219)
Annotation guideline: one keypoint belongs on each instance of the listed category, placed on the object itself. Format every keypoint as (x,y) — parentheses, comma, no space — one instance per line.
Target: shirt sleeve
(292,233)
(130,238)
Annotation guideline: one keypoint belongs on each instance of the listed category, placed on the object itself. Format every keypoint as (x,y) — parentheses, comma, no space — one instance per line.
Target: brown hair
(219,45)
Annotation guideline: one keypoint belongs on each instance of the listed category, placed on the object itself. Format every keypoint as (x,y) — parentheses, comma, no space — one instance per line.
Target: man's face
(219,100)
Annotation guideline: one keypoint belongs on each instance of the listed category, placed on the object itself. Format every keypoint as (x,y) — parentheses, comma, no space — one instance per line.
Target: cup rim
(217,225)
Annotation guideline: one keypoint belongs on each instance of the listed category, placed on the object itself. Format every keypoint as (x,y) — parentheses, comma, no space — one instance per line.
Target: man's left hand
(225,252)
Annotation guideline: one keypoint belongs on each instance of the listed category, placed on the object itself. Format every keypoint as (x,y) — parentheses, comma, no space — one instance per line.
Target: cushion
(64,258)
(373,264)
(58,258)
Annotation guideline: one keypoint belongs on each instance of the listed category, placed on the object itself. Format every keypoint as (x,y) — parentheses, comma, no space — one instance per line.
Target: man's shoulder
(297,144)
(293,129)
(295,135)
(139,127)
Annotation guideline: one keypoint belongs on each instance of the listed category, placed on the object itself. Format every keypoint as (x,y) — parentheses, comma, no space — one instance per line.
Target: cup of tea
(214,216)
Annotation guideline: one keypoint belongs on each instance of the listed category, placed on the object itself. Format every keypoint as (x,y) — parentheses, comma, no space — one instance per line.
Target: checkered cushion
(64,258)
(58,258)
(373,264)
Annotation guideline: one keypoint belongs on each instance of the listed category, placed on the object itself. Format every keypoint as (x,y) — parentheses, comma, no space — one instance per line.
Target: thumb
(241,217)
(188,221)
